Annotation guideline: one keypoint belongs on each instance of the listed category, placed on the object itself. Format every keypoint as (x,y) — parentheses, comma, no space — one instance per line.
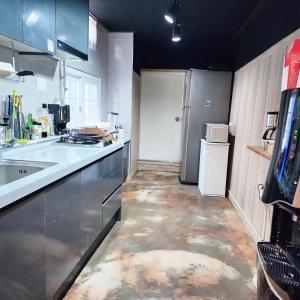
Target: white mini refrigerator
(213,168)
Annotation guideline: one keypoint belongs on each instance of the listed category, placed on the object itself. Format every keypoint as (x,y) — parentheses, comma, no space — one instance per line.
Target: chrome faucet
(7,146)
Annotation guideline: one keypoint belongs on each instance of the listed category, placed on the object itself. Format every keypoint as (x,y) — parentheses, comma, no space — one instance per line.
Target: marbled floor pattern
(171,244)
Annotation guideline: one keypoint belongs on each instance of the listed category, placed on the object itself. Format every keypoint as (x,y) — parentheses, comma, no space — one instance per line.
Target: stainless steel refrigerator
(207,100)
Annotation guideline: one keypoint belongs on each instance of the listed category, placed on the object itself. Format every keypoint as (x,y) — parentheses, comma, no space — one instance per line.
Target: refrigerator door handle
(186,108)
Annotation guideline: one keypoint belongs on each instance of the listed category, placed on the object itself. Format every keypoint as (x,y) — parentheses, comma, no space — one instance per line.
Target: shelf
(260,151)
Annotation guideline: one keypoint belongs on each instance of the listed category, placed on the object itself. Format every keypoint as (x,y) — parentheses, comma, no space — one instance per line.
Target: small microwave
(216,133)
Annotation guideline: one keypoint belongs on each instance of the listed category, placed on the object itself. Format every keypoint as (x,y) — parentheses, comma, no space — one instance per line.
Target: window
(90,103)
(92,32)
(72,99)
(83,94)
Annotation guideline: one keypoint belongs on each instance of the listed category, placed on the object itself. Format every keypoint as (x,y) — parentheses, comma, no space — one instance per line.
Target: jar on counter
(36,130)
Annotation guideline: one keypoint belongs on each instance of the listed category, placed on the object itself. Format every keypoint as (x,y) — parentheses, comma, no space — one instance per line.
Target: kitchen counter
(68,159)
(260,151)
(63,214)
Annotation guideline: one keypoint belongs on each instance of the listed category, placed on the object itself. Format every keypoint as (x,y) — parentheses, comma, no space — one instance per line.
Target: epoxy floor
(171,244)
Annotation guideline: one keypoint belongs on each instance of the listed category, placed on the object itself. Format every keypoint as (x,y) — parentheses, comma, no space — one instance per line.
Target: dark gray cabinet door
(39,24)
(112,161)
(65,241)
(72,23)
(112,182)
(11,24)
(22,250)
(111,206)
(112,173)
(126,150)
(91,181)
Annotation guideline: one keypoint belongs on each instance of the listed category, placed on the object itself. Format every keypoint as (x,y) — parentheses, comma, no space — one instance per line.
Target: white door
(162,94)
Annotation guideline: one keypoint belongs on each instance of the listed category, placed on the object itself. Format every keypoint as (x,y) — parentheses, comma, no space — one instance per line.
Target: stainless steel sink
(11,170)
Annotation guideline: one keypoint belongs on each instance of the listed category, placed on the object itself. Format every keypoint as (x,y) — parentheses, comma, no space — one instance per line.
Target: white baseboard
(158,166)
(245,219)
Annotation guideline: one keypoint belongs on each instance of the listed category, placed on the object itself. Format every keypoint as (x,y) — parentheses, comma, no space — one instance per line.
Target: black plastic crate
(279,263)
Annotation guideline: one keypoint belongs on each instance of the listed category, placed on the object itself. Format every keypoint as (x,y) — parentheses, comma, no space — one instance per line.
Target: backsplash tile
(45,68)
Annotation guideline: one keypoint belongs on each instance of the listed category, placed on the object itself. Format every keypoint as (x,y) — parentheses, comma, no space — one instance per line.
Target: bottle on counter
(28,127)
(45,121)
(29,122)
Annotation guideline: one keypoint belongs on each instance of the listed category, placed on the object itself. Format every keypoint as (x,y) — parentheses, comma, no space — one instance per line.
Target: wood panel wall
(256,91)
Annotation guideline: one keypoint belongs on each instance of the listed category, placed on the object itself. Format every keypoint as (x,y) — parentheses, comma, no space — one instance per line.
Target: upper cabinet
(11,24)
(72,26)
(46,25)
(39,24)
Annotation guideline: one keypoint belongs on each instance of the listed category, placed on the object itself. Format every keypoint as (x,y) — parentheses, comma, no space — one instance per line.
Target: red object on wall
(291,67)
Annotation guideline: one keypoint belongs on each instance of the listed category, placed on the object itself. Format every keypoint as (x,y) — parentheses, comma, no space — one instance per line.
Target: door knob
(177,119)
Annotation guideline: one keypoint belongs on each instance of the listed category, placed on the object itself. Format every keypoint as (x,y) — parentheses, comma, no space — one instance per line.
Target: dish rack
(280,263)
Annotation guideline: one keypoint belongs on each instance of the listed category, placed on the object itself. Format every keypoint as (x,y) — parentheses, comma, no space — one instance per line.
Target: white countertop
(127,139)
(68,159)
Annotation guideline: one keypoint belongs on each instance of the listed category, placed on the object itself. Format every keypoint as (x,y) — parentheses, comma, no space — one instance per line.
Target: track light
(176,32)
(172,13)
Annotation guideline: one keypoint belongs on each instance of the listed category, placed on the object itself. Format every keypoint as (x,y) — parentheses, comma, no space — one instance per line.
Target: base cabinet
(22,250)
(44,238)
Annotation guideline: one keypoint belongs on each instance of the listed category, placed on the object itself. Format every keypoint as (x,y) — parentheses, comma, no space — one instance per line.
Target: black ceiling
(219,32)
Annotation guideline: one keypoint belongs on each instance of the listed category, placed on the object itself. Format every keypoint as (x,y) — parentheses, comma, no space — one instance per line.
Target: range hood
(65,51)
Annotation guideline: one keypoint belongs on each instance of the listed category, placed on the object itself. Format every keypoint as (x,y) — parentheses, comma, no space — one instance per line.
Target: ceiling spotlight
(173,12)
(176,32)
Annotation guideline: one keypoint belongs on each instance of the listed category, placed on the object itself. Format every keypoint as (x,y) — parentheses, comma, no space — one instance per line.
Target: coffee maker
(270,133)
(279,258)
(61,117)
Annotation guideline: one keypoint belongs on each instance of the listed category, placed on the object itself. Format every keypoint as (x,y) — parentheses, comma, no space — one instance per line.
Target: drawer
(111,162)
(111,206)
(111,182)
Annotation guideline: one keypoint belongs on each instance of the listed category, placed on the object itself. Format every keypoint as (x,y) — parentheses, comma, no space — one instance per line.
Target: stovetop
(77,141)
(67,140)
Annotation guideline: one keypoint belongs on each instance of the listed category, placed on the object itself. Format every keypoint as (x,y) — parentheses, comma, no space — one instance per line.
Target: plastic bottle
(45,120)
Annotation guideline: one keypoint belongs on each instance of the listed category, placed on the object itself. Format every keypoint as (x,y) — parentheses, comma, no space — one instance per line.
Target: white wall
(162,95)
(135,124)
(120,65)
